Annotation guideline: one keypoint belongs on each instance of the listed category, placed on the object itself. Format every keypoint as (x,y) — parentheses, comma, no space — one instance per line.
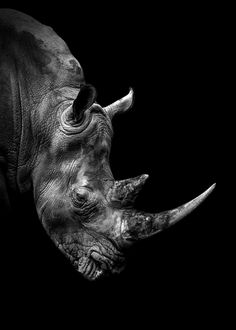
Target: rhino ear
(84,100)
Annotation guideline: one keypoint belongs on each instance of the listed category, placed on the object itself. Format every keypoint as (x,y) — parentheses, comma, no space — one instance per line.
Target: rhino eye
(84,208)
(80,200)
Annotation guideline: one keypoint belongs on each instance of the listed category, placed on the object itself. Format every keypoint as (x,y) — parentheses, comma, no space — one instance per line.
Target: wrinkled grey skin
(58,146)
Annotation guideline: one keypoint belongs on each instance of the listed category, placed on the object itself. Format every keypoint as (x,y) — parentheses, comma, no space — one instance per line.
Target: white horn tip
(130,98)
(131,92)
(121,105)
(209,190)
(187,208)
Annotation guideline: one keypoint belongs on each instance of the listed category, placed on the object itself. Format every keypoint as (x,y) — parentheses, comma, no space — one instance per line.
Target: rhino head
(64,151)
(85,211)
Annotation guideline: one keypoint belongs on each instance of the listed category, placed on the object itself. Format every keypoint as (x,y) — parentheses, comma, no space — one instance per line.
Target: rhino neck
(10,126)
(39,127)
(37,64)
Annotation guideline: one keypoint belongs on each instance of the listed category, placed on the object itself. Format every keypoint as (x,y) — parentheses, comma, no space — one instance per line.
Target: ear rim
(68,117)
(85,99)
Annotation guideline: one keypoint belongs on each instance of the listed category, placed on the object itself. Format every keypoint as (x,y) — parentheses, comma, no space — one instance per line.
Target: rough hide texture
(55,141)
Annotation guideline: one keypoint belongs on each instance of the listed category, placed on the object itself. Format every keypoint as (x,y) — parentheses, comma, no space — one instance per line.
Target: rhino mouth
(93,255)
(99,265)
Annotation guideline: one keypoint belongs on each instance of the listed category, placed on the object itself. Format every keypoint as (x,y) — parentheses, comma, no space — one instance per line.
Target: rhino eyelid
(81,197)
(89,188)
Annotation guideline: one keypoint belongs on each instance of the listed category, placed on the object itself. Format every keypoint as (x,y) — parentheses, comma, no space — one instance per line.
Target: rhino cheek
(85,244)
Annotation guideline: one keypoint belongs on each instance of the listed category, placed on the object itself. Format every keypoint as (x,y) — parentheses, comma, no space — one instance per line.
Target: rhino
(55,141)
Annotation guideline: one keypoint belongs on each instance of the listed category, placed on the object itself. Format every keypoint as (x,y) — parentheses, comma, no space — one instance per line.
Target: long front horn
(136,225)
(121,105)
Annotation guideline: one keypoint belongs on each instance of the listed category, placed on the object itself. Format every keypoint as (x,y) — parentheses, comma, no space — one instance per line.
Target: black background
(171,56)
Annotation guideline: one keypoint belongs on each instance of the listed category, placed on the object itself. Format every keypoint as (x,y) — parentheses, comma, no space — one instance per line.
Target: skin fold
(60,151)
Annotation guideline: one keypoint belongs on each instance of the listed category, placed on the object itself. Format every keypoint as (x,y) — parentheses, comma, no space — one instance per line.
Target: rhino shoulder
(37,45)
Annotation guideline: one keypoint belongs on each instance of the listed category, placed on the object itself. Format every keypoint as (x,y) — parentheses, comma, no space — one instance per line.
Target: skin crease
(64,148)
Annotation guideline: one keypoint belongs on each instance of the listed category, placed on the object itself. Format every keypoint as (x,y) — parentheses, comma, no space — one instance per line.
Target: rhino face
(74,199)
(85,211)
(63,146)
